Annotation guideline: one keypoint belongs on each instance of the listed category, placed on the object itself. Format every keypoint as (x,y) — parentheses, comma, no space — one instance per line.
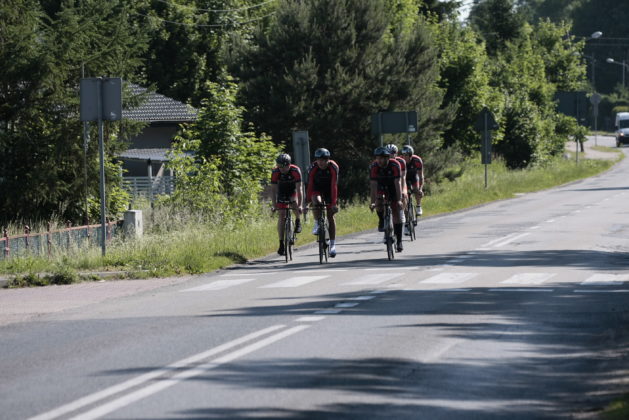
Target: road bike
(389,233)
(323,235)
(289,235)
(411,217)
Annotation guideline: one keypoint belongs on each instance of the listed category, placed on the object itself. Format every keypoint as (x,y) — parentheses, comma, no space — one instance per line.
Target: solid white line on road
(310,319)
(329,311)
(605,279)
(392,268)
(373,279)
(187,374)
(508,241)
(263,273)
(513,289)
(534,227)
(218,285)
(492,242)
(107,392)
(362,298)
(346,305)
(449,278)
(294,282)
(528,278)
(601,291)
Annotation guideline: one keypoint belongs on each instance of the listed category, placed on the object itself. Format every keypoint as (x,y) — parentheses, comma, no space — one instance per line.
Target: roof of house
(158,108)
(155,155)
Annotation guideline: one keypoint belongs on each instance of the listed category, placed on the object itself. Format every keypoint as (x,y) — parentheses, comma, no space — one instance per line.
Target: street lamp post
(624,66)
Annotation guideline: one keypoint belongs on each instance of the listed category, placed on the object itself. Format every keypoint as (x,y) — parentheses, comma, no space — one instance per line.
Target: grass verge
(178,244)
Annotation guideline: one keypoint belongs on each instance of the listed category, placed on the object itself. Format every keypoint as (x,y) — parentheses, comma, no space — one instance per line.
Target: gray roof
(158,108)
(156,155)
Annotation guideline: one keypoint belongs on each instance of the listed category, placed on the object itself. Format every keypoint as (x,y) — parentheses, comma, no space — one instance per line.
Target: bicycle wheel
(388,234)
(321,240)
(288,234)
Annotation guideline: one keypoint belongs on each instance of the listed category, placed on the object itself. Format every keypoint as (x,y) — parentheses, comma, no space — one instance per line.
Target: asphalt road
(516,309)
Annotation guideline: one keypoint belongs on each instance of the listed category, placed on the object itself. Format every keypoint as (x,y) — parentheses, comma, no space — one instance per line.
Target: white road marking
(294,282)
(149,376)
(218,285)
(508,241)
(248,274)
(534,227)
(373,279)
(550,220)
(449,278)
(605,279)
(393,268)
(513,289)
(163,384)
(310,319)
(492,242)
(346,305)
(362,298)
(528,278)
(600,291)
(329,311)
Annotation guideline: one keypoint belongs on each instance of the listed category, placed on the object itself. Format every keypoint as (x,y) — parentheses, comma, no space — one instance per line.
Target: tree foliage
(328,65)
(220,169)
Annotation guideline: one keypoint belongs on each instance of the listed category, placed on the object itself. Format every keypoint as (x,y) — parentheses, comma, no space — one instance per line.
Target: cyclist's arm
(335,185)
(300,198)
(398,190)
(310,187)
(374,189)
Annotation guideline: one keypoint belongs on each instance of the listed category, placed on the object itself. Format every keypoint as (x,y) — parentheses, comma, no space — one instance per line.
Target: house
(144,161)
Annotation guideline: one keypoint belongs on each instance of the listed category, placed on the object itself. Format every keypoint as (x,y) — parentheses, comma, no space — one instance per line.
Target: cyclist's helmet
(392,148)
(283,159)
(381,151)
(408,150)
(321,153)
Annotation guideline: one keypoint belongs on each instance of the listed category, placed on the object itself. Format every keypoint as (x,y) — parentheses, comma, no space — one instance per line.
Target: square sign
(108,91)
(394,122)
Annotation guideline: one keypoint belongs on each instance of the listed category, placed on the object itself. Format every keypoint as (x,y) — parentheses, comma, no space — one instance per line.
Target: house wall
(154,137)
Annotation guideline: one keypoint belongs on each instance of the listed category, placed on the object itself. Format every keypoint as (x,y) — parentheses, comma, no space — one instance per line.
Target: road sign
(104,93)
(394,122)
(595,99)
(486,121)
(301,150)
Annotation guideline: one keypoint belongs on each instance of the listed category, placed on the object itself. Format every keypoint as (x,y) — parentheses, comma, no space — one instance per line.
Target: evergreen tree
(327,66)
(498,21)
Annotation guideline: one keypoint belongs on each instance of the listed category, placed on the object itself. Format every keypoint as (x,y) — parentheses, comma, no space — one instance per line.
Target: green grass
(617,410)
(175,243)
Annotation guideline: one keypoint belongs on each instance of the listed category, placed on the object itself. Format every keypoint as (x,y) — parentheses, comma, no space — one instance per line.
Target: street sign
(104,93)
(595,99)
(486,121)
(393,122)
(573,104)
(301,150)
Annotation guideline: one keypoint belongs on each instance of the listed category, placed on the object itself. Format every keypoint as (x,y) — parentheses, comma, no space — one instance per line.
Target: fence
(148,188)
(46,243)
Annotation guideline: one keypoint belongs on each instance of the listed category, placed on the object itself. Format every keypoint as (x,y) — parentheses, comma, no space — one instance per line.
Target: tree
(498,21)
(327,66)
(41,172)
(221,169)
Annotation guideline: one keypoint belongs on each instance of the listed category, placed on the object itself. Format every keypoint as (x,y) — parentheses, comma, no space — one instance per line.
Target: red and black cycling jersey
(324,181)
(386,177)
(402,163)
(286,183)
(414,168)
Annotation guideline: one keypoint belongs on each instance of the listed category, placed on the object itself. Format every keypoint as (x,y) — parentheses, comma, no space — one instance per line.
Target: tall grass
(177,241)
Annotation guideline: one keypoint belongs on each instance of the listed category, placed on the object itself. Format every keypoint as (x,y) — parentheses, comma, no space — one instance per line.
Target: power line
(239,9)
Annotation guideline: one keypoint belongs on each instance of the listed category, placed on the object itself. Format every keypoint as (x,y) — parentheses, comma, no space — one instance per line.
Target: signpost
(485,124)
(101,99)
(301,154)
(595,99)
(393,123)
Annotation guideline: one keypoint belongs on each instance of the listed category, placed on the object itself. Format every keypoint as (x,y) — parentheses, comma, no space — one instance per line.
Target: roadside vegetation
(180,241)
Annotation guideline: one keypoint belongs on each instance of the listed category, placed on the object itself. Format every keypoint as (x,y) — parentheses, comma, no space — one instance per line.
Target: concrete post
(133,225)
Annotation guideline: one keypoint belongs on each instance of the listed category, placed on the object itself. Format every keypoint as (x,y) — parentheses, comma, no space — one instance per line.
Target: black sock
(397,228)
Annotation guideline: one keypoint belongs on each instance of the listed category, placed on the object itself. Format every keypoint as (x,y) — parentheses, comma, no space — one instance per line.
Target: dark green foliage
(41,150)
(327,66)
(498,21)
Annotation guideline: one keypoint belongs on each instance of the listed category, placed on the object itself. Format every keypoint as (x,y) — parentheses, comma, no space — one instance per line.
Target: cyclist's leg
(397,224)
(332,230)
(281,218)
(316,212)
(380,210)
(293,205)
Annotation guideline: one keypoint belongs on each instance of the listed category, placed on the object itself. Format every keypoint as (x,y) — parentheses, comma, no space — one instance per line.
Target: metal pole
(623,73)
(101,147)
(485,149)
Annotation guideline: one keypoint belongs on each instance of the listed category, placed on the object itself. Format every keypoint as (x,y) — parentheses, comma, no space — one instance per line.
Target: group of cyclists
(391,178)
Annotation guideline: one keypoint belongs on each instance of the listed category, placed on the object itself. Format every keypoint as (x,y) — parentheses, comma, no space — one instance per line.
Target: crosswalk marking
(218,285)
(294,281)
(449,278)
(528,278)
(374,279)
(605,279)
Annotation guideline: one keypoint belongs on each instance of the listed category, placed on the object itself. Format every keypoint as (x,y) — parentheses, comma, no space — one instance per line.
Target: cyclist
(384,175)
(414,175)
(286,193)
(393,151)
(323,178)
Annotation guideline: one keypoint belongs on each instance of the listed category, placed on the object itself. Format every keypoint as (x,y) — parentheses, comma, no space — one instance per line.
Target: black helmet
(381,151)
(322,153)
(283,159)
(392,148)
(408,150)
